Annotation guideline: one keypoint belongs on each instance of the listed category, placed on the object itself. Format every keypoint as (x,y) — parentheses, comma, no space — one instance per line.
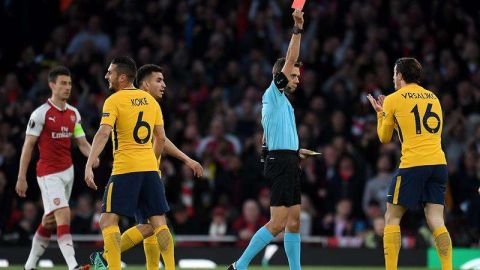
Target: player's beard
(112,87)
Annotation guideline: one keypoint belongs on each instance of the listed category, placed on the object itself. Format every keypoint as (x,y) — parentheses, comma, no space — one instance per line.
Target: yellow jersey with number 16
(132,113)
(415,113)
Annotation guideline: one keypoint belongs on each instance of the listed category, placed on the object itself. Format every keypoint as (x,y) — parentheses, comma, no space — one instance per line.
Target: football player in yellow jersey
(150,78)
(415,113)
(135,186)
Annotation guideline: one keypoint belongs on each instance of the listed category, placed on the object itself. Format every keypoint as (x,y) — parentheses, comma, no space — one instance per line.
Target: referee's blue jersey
(278,120)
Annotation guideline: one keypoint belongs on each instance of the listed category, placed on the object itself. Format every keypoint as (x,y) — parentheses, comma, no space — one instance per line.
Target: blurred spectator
(377,187)
(374,238)
(83,215)
(248,223)
(218,225)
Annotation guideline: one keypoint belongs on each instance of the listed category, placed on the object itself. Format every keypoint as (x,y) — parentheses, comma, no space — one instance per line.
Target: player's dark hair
(277,67)
(145,71)
(410,68)
(125,65)
(58,71)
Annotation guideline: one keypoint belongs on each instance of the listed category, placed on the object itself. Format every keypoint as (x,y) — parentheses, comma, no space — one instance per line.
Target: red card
(298,4)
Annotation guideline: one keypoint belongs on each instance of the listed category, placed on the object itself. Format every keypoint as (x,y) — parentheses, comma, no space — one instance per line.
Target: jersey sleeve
(35,124)
(159,118)
(385,120)
(109,112)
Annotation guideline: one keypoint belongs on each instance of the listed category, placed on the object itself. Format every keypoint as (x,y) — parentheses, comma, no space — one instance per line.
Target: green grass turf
(137,267)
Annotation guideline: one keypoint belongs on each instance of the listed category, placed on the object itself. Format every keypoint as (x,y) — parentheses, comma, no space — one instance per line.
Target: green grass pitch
(139,267)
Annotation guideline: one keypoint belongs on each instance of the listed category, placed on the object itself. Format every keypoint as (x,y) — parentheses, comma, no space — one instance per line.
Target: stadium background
(217,57)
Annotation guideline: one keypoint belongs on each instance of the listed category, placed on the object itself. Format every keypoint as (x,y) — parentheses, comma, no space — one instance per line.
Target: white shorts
(56,189)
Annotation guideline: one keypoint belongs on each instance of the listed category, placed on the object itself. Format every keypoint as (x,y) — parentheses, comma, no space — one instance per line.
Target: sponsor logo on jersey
(51,118)
(63,134)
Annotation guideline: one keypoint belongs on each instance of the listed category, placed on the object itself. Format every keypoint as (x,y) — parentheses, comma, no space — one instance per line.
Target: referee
(282,159)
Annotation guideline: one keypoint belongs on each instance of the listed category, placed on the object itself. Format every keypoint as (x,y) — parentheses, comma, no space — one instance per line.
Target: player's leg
(443,243)
(120,198)
(392,239)
(40,240)
(64,238)
(164,242)
(154,205)
(291,240)
(405,192)
(275,172)
(111,238)
(263,236)
(433,197)
(133,236)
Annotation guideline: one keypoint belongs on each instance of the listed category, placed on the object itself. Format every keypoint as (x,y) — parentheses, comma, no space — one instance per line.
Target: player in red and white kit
(53,125)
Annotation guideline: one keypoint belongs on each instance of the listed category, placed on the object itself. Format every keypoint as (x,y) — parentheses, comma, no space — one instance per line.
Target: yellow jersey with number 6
(415,113)
(132,113)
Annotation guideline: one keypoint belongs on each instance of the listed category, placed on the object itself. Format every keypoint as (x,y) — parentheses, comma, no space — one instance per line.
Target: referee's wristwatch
(297,30)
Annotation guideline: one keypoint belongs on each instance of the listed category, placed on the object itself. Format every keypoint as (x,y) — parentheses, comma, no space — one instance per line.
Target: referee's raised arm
(294,46)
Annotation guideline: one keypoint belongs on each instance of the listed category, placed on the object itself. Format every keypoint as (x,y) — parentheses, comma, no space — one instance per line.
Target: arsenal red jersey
(54,128)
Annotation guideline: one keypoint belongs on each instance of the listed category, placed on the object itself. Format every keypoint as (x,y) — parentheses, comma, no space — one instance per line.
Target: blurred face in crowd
(61,87)
(155,84)
(293,80)
(114,79)
(251,211)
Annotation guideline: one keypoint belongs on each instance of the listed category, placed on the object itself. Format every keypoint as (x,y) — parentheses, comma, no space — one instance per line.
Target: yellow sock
(443,243)
(130,238)
(152,252)
(391,246)
(165,243)
(111,239)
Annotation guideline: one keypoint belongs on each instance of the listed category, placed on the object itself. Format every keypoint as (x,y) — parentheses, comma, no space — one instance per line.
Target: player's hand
(298,18)
(21,186)
(478,190)
(96,163)
(89,178)
(304,153)
(377,104)
(196,167)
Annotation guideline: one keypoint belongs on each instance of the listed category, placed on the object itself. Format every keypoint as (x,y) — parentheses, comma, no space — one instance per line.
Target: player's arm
(385,117)
(159,141)
(172,150)
(98,144)
(82,143)
(293,50)
(25,158)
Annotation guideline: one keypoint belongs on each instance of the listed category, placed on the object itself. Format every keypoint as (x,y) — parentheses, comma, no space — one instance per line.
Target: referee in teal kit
(282,160)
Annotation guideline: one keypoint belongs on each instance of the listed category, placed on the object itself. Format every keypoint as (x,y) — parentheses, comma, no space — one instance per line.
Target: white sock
(64,239)
(39,244)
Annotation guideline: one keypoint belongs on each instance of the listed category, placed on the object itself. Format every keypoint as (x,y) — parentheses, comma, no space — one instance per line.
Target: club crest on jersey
(72,117)
(56,201)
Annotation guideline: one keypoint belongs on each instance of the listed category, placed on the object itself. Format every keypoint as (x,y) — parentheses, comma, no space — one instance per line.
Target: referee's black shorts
(282,170)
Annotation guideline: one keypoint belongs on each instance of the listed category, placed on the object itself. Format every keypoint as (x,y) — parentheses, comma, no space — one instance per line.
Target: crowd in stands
(217,58)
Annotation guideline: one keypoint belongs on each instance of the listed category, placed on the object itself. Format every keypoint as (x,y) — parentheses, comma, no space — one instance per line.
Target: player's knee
(62,216)
(293,225)
(391,219)
(276,226)
(48,222)
(146,230)
(435,222)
